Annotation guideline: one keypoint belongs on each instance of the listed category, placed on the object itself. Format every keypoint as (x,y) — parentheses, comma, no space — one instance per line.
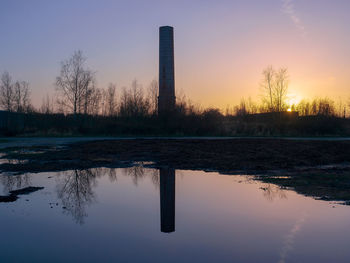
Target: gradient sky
(221,47)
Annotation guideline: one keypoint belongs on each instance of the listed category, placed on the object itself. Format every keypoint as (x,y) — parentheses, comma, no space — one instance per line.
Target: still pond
(141,214)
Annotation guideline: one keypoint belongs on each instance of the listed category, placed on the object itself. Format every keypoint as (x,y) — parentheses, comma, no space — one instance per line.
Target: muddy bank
(316,168)
(13,195)
(242,155)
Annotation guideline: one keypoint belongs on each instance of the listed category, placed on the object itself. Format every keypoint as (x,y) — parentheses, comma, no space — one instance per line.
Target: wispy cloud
(289,9)
(288,244)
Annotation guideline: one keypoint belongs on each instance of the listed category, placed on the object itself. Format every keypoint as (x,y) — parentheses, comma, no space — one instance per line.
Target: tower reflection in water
(167,200)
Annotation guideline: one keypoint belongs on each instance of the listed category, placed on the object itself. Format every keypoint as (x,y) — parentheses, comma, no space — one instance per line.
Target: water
(146,215)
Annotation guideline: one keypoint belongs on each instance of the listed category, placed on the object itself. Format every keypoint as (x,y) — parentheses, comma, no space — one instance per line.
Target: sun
(294,98)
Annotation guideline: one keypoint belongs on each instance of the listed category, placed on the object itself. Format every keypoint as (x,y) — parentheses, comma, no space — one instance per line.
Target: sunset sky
(221,47)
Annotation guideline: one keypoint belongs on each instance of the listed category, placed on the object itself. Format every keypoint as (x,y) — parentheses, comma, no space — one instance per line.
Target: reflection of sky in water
(104,215)
(12,161)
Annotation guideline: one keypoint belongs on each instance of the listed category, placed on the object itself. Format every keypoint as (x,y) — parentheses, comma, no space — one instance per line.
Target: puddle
(140,214)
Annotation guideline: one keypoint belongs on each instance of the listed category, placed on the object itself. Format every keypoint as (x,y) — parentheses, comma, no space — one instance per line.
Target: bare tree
(110,100)
(153,96)
(181,102)
(326,107)
(320,106)
(132,101)
(75,83)
(21,96)
(304,108)
(275,89)
(6,92)
(90,94)
(241,109)
(246,106)
(47,106)
(93,101)
(340,108)
(281,89)
(268,87)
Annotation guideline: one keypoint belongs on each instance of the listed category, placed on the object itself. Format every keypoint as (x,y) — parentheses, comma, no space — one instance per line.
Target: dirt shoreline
(316,168)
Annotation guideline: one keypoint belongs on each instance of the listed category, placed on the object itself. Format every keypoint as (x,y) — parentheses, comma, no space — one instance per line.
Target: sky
(221,46)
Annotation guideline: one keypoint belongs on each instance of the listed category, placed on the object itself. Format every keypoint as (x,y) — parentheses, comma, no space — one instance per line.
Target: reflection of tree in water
(137,173)
(75,189)
(13,182)
(271,192)
(112,174)
(155,177)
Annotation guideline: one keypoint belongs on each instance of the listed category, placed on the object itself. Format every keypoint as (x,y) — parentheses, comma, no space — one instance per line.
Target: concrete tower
(166,99)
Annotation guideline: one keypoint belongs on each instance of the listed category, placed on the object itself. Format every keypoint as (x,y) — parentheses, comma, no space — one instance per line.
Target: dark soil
(26,191)
(8,198)
(13,196)
(243,155)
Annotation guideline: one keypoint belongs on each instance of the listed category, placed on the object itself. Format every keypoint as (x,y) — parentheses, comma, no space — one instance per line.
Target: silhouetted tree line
(314,107)
(80,107)
(14,95)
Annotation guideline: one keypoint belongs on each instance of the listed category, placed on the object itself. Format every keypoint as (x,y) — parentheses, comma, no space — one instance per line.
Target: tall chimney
(166,99)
